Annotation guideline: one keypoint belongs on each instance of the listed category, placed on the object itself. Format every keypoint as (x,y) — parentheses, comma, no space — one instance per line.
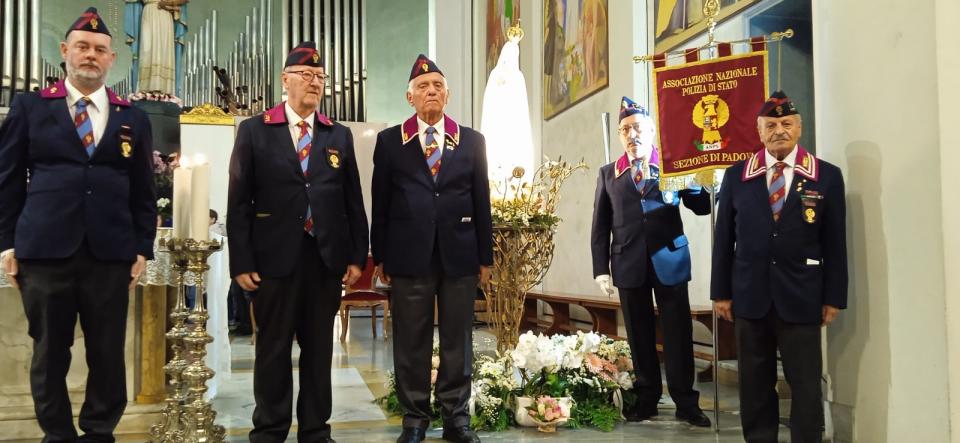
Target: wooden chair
(363,294)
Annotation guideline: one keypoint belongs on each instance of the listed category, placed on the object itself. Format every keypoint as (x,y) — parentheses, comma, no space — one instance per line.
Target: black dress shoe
(411,435)
(695,417)
(640,414)
(460,434)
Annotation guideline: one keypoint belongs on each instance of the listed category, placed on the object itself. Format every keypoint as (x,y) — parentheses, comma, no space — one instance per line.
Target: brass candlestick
(187,417)
(199,414)
(170,428)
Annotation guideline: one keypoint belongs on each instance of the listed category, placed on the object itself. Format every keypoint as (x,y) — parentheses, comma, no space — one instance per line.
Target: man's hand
(829,314)
(10,268)
(249,281)
(604,282)
(724,309)
(137,270)
(485,272)
(352,275)
(378,273)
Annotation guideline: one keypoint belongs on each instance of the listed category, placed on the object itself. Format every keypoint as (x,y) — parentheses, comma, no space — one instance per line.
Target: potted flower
(544,363)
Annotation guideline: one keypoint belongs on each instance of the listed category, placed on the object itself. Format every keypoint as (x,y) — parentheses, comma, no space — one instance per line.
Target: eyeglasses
(624,130)
(308,76)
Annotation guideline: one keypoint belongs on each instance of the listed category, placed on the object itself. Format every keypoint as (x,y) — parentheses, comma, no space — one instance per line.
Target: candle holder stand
(186,416)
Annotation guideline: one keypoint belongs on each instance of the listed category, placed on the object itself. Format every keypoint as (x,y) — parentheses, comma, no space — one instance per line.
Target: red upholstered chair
(362,294)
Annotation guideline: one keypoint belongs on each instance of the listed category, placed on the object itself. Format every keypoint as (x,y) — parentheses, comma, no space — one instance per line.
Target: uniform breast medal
(809,197)
(333,158)
(126,139)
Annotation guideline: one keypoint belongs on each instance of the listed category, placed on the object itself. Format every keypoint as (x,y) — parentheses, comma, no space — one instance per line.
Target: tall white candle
(181,199)
(200,199)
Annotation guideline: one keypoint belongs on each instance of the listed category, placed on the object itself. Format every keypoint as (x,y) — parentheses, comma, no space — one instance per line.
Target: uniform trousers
(302,305)
(55,293)
(799,344)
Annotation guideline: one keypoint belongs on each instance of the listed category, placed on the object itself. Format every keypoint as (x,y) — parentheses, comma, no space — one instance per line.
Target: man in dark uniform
(297,232)
(77,222)
(648,253)
(780,270)
(432,239)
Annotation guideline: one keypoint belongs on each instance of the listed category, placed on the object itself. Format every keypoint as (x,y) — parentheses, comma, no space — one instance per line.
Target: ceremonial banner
(707,112)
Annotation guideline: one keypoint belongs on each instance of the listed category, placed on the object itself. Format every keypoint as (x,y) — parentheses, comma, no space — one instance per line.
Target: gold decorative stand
(521,258)
(187,417)
(524,218)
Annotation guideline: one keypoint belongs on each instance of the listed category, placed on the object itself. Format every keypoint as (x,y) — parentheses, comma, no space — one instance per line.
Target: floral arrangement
(155,96)
(602,385)
(493,386)
(521,204)
(163,181)
(548,412)
(391,403)
(592,369)
(588,367)
(546,409)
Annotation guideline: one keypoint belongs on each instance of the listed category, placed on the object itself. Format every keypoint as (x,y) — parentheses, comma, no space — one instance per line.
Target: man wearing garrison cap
(648,253)
(76,237)
(432,239)
(780,271)
(297,232)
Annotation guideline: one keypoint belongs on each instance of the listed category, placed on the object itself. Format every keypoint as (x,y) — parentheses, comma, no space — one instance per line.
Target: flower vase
(547,428)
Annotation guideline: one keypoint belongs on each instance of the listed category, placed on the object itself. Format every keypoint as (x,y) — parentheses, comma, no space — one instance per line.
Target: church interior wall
(948,70)
(877,95)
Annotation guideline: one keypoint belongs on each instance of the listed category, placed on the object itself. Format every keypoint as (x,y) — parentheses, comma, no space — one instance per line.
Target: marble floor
(361,365)
(360,370)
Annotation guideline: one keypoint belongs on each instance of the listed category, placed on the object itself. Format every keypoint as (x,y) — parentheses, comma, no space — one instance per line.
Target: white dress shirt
(293,122)
(438,136)
(790,160)
(98,110)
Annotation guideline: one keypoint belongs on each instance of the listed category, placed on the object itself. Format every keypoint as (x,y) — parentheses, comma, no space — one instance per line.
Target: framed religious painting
(677,21)
(501,14)
(575,52)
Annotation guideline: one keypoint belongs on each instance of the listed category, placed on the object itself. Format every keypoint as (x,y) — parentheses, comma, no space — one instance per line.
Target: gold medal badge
(126,150)
(810,215)
(333,158)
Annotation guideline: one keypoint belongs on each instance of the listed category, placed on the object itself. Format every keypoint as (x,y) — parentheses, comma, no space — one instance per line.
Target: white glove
(605,286)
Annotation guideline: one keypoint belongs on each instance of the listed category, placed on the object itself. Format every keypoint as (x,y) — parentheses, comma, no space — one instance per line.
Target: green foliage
(499,421)
(390,403)
(554,384)
(602,415)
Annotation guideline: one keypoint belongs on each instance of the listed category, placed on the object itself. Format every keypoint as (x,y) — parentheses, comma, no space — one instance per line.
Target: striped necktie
(638,174)
(81,120)
(304,143)
(778,190)
(432,152)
